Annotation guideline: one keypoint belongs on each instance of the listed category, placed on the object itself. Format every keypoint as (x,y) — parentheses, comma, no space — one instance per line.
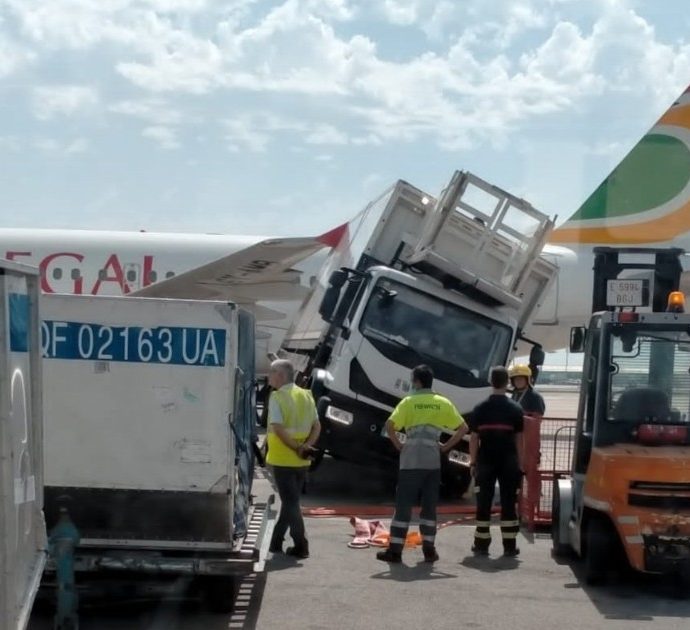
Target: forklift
(627,499)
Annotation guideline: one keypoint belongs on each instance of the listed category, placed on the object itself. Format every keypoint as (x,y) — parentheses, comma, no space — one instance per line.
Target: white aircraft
(644,202)
(267,276)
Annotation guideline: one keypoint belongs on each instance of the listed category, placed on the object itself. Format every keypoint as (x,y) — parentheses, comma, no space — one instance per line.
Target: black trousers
(507,472)
(289,482)
(415,487)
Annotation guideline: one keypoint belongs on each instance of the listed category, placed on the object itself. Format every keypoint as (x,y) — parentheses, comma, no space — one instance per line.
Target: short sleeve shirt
(531,401)
(423,415)
(496,421)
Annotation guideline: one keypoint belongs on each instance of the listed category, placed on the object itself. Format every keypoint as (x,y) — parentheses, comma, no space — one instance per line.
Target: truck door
(244,421)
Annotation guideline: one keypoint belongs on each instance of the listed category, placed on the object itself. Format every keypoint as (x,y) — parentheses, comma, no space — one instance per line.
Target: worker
(524,393)
(293,429)
(422,415)
(496,455)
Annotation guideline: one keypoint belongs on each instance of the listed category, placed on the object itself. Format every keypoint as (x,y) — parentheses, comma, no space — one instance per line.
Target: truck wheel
(455,485)
(219,594)
(599,546)
(316,460)
(561,548)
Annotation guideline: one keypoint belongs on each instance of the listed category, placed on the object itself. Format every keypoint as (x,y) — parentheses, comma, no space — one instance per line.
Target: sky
(287,117)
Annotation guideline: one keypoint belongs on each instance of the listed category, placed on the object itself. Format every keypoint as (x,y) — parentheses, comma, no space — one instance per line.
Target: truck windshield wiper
(381,336)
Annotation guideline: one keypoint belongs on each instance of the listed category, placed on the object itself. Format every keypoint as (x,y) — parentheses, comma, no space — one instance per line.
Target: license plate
(625,293)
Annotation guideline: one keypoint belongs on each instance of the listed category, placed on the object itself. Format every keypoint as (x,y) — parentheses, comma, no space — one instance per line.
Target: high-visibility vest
(298,412)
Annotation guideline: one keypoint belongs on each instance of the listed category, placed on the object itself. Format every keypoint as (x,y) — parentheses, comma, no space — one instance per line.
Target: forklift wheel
(561,548)
(598,551)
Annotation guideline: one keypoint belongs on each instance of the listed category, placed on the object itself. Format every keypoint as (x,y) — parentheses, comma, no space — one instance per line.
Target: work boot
(298,551)
(430,554)
(276,547)
(480,550)
(511,552)
(395,557)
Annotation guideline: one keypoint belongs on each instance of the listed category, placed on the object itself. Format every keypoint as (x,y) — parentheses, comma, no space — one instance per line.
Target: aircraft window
(76,274)
(170,274)
(131,275)
(57,273)
(153,276)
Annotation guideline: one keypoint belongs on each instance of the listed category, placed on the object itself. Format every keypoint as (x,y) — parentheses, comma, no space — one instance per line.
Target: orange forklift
(628,496)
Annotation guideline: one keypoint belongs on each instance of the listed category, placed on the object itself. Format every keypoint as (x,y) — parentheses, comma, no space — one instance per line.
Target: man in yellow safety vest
(423,415)
(293,428)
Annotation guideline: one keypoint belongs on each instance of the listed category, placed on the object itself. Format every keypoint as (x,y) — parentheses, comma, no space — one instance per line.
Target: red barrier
(548,456)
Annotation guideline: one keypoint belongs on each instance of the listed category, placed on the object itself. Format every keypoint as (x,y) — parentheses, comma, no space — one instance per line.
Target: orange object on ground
(375,534)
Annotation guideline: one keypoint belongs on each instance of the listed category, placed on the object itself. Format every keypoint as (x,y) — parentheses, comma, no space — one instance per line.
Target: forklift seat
(642,403)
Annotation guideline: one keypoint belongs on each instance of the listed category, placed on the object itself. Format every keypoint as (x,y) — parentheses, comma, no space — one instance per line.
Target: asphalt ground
(339,587)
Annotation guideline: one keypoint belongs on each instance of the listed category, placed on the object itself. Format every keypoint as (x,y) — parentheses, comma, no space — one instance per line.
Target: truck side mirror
(578,335)
(332,294)
(537,356)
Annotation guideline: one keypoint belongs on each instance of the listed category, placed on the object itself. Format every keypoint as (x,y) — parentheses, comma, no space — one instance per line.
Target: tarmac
(339,587)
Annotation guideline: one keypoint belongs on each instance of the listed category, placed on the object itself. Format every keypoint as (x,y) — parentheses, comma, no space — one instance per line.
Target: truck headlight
(458,457)
(339,415)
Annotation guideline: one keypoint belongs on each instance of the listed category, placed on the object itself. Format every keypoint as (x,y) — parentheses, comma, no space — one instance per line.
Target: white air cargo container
(22,527)
(149,429)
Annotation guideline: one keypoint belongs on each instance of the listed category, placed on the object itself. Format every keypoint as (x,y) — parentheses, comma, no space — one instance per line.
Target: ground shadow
(422,571)
(628,595)
(490,565)
(181,611)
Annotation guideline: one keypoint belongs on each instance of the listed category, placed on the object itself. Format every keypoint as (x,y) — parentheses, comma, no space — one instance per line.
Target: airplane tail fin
(646,198)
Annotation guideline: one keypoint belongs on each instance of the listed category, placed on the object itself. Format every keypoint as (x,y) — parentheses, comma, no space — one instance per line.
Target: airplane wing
(261,272)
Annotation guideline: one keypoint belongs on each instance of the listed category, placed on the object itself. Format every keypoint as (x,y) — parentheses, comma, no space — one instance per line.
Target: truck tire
(561,548)
(220,593)
(599,545)
(316,460)
(456,484)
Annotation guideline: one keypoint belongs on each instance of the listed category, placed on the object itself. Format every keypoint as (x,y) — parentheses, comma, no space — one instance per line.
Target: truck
(449,282)
(627,499)
(148,442)
(23,538)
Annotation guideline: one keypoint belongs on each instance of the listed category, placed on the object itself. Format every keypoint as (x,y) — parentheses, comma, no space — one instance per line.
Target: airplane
(644,202)
(267,276)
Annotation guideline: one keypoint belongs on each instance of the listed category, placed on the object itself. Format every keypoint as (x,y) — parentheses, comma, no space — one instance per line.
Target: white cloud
(53,147)
(152,110)
(56,100)
(12,55)
(80,145)
(468,90)
(326,134)
(164,136)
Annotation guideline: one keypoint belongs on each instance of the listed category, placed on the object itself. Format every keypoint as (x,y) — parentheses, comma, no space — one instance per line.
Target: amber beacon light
(676,302)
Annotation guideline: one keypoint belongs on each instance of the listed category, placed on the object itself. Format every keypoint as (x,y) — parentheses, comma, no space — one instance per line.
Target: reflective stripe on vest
(297,410)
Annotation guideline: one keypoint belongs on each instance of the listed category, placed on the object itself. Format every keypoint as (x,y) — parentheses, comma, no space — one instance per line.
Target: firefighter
(496,455)
(524,393)
(422,415)
(293,430)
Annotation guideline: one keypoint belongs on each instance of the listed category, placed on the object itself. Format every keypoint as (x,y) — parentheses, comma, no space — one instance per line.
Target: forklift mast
(610,262)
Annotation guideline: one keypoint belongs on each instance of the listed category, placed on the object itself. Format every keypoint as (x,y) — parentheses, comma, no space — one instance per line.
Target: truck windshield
(649,378)
(411,327)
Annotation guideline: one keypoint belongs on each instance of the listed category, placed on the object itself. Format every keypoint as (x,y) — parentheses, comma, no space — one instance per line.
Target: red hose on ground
(384,511)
